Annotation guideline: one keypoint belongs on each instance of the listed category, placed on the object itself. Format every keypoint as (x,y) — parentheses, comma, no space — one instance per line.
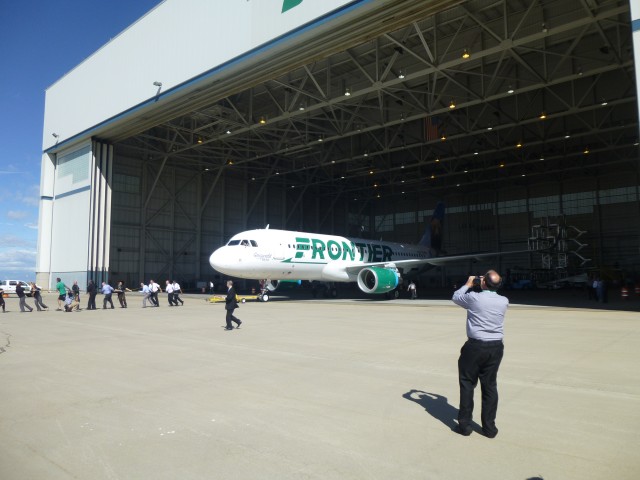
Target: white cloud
(17,263)
(16,214)
(9,240)
(30,196)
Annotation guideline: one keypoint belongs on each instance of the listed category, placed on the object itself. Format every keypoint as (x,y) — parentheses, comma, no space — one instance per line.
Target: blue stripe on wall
(635,25)
(73,192)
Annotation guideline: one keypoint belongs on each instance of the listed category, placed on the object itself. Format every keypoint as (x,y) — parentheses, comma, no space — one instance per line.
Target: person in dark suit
(230,305)
(92,290)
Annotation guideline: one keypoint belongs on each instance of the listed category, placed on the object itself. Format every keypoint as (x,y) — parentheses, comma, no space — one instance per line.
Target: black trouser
(92,301)
(122,299)
(107,298)
(231,318)
(479,360)
(172,299)
(38,300)
(176,298)
(154,299)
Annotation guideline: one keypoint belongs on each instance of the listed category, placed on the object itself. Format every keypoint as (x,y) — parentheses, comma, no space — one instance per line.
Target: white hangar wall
(175,42)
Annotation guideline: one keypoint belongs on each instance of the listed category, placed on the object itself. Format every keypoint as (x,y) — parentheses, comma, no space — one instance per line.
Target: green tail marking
(289,4)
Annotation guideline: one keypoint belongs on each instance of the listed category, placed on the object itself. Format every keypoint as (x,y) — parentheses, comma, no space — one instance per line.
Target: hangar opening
(515,114)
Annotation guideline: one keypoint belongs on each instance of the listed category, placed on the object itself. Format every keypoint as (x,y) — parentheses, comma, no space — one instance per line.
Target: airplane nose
(216,260)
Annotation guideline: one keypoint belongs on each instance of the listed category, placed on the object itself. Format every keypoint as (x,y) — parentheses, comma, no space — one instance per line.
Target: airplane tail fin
(432,237)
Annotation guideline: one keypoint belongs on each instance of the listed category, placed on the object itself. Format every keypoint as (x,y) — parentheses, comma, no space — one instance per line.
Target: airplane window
(245,243)
(233,242)
(253,243)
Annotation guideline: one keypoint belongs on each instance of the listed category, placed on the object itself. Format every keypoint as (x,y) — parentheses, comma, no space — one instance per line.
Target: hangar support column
(100,212)
(75,215)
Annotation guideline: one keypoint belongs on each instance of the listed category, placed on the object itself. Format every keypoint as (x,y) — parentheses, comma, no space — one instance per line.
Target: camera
(477,284)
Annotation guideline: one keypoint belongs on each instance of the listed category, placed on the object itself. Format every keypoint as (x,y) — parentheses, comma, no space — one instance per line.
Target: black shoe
(228,328)
(239,323)
(463,431)
(490,434)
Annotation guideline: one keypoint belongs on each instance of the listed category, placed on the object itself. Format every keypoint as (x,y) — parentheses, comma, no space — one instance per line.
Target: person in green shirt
(62,293)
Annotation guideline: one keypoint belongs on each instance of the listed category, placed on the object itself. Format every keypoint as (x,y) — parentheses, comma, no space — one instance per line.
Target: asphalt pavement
(312,389)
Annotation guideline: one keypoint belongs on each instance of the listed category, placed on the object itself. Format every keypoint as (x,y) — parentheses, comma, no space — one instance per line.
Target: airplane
(281,256)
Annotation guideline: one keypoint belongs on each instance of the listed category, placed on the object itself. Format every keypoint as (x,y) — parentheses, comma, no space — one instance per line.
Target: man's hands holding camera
(474,281)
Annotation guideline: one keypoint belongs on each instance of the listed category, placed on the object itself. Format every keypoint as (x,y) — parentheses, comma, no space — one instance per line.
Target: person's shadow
(438,407)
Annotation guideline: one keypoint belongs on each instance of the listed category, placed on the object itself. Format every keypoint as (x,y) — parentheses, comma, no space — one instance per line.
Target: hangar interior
(514,113)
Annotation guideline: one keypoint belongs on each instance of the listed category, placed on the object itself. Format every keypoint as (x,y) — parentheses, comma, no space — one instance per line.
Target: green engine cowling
(273,285)
(378,279)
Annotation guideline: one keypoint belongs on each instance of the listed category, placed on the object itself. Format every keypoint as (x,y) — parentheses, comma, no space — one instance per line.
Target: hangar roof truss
(548,89)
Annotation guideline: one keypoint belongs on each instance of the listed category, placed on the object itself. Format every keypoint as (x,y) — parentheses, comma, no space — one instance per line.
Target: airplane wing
(435,261)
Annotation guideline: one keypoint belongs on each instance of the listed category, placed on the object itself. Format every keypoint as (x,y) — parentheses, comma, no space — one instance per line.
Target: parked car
(9,287)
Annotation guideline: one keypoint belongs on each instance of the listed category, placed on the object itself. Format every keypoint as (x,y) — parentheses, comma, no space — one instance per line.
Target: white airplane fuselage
(289,255)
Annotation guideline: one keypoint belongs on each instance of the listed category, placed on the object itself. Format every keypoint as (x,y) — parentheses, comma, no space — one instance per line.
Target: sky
(40,42)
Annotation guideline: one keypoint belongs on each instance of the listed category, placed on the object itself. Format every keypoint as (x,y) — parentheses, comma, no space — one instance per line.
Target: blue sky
(39,43)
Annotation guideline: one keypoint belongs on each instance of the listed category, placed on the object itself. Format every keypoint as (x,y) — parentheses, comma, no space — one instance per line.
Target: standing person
(122,294)
(76,291)
(62,293)
(2,303)
(412,290)
(169,289)
(481,355)
(211,287)
(92,290)
(154,288)
(22,297)
(107,290)
(176,293)
(146,294)
(596,287)
(37,297)
(230,305)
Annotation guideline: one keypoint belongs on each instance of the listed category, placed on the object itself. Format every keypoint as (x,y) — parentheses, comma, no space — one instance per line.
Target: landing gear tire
(264,297)
(394,295)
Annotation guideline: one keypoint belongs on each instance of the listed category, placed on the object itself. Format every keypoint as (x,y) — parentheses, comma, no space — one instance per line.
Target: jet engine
(378,279)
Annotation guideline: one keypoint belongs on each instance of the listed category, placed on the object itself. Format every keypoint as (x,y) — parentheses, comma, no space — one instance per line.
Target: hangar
(346,117)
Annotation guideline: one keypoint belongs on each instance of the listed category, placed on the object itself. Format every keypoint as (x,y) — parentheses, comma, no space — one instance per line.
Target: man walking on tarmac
(230,305)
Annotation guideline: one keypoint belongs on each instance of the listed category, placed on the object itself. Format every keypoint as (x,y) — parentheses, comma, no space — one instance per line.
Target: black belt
(485,342)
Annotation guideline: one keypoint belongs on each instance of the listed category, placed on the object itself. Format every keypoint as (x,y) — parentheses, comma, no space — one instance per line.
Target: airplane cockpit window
(253,243)
(245,243)
(233,242)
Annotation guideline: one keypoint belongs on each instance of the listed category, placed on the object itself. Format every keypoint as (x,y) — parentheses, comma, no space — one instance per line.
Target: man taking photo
(481,355)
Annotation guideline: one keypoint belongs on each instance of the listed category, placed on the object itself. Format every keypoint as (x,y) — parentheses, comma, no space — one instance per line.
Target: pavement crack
(7,337)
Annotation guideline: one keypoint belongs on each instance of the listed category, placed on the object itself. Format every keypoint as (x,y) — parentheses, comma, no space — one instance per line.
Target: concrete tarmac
(326,389)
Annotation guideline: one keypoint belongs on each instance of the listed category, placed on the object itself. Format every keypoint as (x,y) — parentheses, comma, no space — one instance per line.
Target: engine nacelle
(378,279)
(273,285)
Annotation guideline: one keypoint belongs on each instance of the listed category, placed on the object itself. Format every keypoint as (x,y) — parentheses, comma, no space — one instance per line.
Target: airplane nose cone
(217,259)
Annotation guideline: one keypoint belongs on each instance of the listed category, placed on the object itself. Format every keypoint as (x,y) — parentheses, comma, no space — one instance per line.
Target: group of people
(22,298)
(150,292)
(69,297)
